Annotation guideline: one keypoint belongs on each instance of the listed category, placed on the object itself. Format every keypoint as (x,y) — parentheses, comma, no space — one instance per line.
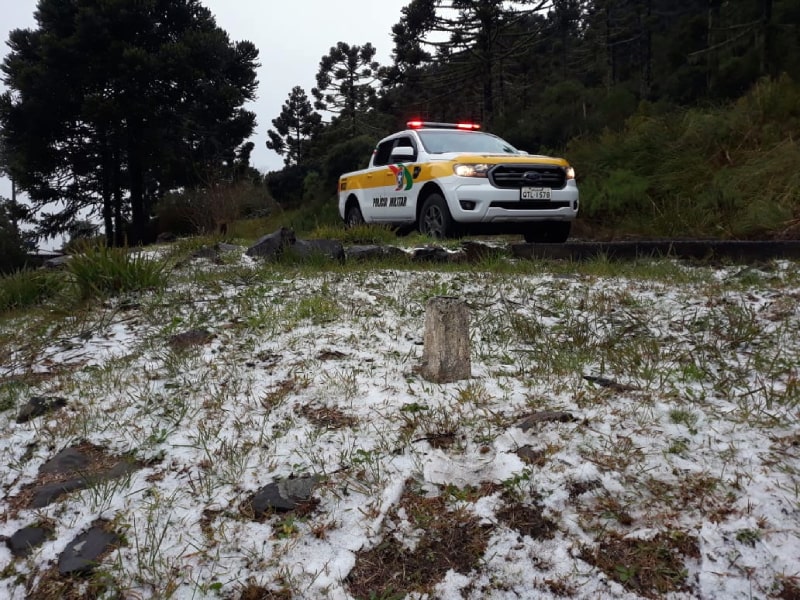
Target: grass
(309,369)
(98,273)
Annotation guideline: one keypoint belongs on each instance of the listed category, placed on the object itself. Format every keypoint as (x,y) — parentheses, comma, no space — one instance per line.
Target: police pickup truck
(450,179)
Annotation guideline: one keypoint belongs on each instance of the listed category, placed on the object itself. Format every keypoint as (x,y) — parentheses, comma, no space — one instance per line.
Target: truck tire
(548,232)
(353,216)
(435,219)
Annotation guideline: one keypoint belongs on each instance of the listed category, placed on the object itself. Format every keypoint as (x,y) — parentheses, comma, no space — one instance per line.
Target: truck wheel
(548,232)
(434,219)
(353,216)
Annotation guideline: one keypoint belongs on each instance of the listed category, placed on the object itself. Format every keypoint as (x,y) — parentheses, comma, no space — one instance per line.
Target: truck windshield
(440,141)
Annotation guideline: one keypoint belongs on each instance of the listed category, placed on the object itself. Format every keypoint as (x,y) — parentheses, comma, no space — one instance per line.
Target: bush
(112,271)
(728,172)
(211,209)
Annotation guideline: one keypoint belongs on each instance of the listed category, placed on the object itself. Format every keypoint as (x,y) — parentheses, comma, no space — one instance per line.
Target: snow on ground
(694,440)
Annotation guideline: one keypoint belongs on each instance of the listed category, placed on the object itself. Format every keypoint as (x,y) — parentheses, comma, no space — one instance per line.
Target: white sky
(291,38)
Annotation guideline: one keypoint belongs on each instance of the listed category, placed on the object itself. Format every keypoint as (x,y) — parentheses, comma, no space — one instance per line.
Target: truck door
(399,193)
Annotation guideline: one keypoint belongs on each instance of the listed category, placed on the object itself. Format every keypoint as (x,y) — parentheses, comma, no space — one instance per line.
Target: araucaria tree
(294,127)
(466,42)
(111,103)
(346,82)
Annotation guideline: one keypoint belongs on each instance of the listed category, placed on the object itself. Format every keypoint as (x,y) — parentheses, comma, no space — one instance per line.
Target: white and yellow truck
(451,179)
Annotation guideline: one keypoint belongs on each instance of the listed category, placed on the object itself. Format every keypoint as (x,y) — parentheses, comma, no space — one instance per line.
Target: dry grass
(445,539)
(649,567)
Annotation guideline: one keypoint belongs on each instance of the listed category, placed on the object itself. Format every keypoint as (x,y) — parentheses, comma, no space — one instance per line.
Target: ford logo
(531,176)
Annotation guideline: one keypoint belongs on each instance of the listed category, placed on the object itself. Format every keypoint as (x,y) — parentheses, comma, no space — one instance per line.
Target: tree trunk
(136,188)
(446,353)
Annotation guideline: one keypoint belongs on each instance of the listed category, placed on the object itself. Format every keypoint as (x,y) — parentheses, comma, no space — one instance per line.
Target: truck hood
(498,158)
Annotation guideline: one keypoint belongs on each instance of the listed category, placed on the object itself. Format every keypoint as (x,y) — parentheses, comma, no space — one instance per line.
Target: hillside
(629,431)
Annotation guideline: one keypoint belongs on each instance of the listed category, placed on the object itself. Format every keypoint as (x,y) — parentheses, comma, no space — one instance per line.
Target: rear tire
(435,220)
(353,216)
(548,232)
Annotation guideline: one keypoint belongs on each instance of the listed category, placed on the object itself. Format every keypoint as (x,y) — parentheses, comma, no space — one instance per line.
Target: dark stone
(38,406)
(25,540)
(531,456)
(81,555)
(544,417)
(208,252)
(372,252)
(272,245)
(610,383)
(69,460)
(283,495)
(433,254)
(475,251)
(47,494)
(187,339)
(331,249)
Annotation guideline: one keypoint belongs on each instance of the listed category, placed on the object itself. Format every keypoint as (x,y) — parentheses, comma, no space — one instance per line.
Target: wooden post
(446,354)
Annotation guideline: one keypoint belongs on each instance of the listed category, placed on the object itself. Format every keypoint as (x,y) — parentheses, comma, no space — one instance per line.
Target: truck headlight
(471,169)
(570,173)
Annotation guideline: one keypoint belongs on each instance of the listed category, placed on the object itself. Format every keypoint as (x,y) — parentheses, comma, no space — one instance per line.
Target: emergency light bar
(434,125)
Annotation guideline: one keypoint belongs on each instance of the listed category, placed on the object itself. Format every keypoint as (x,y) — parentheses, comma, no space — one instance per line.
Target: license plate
(534,193)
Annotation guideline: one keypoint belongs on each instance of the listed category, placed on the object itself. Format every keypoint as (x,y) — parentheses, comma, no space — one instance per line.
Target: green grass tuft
(109,272)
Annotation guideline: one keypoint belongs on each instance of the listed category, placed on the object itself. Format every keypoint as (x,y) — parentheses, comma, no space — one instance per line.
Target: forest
(681,117)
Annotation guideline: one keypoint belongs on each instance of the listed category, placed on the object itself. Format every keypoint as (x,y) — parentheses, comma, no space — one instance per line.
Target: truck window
(382,153)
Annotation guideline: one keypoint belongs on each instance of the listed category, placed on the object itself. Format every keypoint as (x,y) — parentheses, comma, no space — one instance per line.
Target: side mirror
(402,153)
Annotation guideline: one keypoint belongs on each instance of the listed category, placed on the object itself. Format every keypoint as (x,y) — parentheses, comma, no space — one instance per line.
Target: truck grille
(513,176)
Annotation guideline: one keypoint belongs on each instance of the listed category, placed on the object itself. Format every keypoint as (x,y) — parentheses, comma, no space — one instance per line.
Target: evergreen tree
(297,123)
(112,102)
(467,43)
(346,82)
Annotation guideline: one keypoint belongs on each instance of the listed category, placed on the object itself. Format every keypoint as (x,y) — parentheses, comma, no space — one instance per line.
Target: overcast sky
(291,37)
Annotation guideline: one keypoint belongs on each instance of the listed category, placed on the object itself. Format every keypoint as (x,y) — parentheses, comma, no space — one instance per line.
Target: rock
(433,254)
(81,555)
(47,494)
(38,406)
(373,252)
(188,339)
(532,456)
(272,245)
(545,416)
(610,383)
(475,251)
(283,495)
(25,540)
(207,252)
(69,460)
(73,469)
(305,249)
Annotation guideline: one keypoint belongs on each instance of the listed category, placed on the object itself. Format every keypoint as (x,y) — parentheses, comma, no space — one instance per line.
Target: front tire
(548,232)
(353,216)
(435,220)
